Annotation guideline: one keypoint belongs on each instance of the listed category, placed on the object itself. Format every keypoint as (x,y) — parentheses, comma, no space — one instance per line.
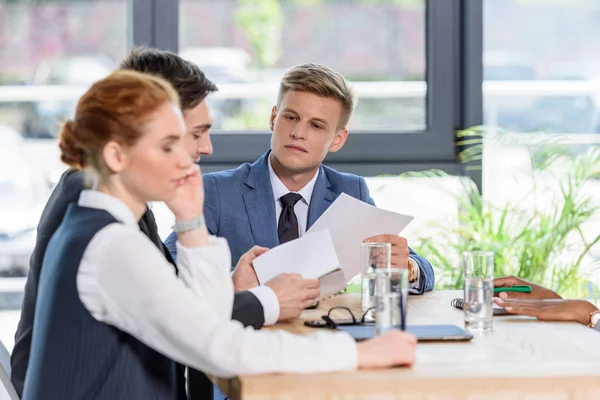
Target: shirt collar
(280,190)
(106,202)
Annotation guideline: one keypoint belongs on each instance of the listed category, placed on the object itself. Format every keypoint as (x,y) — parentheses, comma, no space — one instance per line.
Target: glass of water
(374,256)
(479,290)
(391,297)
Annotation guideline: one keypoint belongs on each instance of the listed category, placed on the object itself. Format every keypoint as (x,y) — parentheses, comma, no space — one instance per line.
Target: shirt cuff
(414,285)
(417,283)
(269,302)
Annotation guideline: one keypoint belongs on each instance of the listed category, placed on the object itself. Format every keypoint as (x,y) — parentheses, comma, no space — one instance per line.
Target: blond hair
(322,81)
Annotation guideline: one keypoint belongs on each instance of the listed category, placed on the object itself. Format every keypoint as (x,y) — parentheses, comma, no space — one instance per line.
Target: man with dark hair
(192,87)
(187,79)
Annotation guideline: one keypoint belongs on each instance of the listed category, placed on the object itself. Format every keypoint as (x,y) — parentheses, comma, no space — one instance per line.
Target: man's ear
(339,140)
(114,156)
(272,119)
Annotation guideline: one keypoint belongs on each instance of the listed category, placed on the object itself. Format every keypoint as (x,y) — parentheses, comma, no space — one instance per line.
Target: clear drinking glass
(391,297)
(373,256)
(479,290)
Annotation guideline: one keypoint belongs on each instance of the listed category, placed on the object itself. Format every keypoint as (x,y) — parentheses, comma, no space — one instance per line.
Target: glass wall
(50,52)
(245,47)
(541,162)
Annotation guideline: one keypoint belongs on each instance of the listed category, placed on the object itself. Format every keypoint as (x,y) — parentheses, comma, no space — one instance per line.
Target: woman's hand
(550,309)
(388,350)
(188,203)
(537,292)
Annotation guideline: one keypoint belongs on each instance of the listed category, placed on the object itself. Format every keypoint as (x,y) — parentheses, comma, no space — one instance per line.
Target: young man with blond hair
(278,197)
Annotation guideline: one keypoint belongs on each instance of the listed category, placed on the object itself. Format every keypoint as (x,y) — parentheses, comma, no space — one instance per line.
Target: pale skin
(198,121)
(542,303)
(305,128)
(158,167)
(293,292)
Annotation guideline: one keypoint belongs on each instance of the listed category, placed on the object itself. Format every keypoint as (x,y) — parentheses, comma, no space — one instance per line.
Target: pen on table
(520,289)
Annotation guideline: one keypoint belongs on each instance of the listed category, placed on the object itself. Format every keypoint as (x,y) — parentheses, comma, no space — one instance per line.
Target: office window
(403,57)
(541,105)
(540,75)
(50,52)
(245,47)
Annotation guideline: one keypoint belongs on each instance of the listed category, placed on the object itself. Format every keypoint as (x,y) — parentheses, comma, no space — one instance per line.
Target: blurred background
(479,117)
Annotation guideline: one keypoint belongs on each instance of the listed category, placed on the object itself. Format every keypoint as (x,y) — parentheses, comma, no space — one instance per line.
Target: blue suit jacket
(239,206)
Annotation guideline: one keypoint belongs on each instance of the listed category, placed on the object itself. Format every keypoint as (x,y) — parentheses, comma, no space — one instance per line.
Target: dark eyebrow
(319,120)
(322,121)
(289,110)
(201,127)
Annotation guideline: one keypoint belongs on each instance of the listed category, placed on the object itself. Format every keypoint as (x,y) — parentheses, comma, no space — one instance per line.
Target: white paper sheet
(350,221)
(312,256)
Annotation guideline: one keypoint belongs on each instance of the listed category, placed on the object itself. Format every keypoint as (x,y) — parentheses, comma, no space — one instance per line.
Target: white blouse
(125,281)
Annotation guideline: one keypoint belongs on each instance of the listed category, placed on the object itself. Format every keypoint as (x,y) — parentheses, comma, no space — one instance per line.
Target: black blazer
(246,308)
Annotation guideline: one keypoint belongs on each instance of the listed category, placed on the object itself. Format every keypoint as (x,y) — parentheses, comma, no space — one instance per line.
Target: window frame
(453,99)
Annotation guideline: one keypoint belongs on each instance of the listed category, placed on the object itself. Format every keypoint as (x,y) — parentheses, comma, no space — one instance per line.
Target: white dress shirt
(125,281)
(264,294)
(301,211)
(301,207)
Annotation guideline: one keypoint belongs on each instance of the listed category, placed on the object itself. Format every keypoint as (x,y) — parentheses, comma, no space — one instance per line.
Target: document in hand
(312,256)
(350,221)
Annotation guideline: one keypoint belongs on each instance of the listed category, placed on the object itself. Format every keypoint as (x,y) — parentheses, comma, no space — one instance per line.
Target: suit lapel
(321,199)
(260,205)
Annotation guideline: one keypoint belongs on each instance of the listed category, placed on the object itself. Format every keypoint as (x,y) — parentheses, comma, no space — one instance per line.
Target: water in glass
(388,312)
(479,297)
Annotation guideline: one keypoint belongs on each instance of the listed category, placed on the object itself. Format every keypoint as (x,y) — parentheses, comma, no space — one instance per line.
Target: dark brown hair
(188,80)
(115,108)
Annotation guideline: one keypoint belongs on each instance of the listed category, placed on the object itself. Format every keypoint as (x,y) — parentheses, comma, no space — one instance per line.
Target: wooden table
(523,359)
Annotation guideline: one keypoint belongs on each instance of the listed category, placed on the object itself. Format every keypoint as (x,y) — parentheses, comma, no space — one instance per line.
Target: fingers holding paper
(244,277)
(294,294)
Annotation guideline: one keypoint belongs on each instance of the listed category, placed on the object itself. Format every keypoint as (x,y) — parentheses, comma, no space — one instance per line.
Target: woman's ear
(114,156)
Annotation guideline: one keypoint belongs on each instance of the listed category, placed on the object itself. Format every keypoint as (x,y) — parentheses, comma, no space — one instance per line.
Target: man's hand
(244,277)
(400,251)
(294,294)
(537,292)
(550,309)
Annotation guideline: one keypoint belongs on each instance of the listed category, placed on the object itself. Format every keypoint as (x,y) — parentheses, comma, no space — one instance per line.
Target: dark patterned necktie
(287,228)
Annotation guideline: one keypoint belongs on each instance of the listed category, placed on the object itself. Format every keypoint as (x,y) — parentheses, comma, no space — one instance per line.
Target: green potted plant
(544,243)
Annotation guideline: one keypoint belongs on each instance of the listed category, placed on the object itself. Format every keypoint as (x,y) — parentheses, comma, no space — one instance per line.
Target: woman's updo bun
(72,151)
